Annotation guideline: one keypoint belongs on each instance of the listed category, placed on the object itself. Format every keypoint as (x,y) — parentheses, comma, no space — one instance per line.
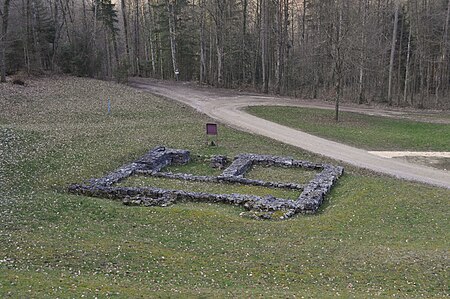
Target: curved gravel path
(226,106)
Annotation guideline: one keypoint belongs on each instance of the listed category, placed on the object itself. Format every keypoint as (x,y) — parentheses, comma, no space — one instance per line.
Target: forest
(394,52)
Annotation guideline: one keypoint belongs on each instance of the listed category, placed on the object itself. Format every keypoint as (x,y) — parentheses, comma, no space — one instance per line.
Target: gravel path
(226,106)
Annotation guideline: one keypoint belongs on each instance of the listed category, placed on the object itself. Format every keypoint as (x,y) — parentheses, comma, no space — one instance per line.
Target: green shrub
(121,72)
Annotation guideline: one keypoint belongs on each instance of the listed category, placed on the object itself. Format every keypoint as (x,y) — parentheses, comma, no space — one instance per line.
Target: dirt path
(225,106)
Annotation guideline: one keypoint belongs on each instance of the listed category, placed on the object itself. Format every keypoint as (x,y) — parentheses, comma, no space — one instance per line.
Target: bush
(76,58)
(18,81)
(121,72)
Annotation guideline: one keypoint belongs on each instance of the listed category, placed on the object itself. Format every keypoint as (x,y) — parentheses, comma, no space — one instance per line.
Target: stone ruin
(152,163)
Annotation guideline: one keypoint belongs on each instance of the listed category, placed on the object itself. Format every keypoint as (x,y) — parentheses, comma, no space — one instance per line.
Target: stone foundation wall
(151,164)
(154,160)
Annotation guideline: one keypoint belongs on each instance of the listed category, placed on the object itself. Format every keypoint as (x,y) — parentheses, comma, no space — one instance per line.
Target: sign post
(211,130)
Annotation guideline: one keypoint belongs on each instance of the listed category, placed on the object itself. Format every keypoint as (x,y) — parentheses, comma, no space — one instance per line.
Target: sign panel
(211,129)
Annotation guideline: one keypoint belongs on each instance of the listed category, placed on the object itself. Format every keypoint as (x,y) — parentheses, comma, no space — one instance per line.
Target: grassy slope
(363,131)
(374,236)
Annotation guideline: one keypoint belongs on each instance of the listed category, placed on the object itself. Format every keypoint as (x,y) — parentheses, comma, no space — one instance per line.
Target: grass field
(196,166)
(281,174)
(375,235)
(363,131)
(217,188)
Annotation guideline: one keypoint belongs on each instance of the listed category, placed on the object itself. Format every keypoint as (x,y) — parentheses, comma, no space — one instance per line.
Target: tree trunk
(202,43)
(172,37)
(146,38)
(408,57)
(338,61)
(150,39)
(125,29)
(137,39)
(35,36)
(94,35)
(211,70)
(442,56)
(64,14)
(279,50)
(25,41)
(257,56)
(107,46)
(393,43)
(161,58)
(115,48)
(58,30)
(303,20)
(4,14)
(265,44)
(243,42)
(84,15)
(285,65)
(399,61)
(219,40)
(282,32)
(362,58)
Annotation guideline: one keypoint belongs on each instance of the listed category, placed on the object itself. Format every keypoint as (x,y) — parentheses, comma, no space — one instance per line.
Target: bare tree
(202,42)
(338,57)
(305,47)
(442,61)
(4,16)
(219,21)
(265,44)
(244,41)
(393,44)
(137,38)
(150,38)
(282,13)
(172,37)
(125,28)
(408,58)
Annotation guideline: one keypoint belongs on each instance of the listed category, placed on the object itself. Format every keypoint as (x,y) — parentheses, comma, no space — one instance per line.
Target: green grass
(436,162)
(363,131)
(197,166)
(216,188)
(281,174)
(375,236)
